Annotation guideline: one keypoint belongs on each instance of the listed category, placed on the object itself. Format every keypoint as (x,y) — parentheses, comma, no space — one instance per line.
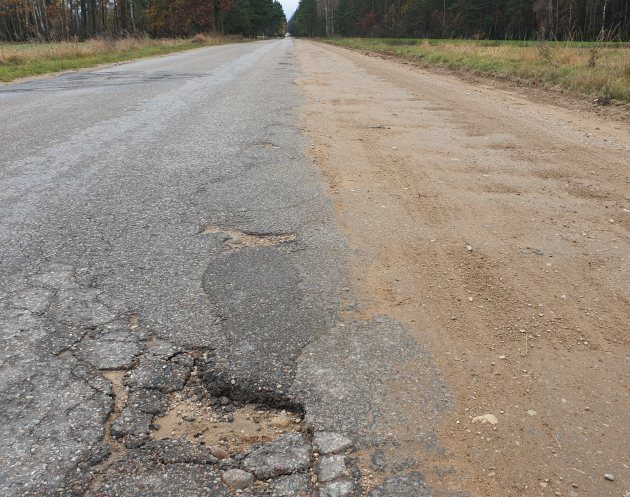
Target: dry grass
(599,70)
(29,59)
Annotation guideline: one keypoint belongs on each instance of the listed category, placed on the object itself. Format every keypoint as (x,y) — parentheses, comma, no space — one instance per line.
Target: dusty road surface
(285,269)
(497,231)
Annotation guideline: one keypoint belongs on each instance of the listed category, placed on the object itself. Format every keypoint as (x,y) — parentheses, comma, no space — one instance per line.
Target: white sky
(289,7)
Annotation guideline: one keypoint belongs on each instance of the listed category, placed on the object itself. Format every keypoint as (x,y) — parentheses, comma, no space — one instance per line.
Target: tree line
(479,19)
(52,20)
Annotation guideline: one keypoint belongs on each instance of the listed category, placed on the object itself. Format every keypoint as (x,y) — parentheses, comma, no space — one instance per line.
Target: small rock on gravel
(340,488)
(281,421)
(609,477)
(237,478)
(486,418)
(327,442)
(218,452)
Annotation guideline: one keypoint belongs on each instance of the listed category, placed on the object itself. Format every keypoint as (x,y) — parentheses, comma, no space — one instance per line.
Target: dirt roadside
(497,230)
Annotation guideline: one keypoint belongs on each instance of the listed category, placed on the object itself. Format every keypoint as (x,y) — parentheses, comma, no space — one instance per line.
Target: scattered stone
(340,488)
(327,442)
(296,485)
(609,477)
(531,413)
(486,418)
(218,452)
(281,421)
(532,250)
(237,478)
(332,468)
(289,454)
(469,248)
(188,418)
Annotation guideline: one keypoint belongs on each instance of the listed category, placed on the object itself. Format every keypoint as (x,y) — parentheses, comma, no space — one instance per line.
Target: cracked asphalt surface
(120,188)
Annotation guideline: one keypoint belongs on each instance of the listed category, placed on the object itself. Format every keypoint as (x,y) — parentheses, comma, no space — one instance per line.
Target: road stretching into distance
(180,252)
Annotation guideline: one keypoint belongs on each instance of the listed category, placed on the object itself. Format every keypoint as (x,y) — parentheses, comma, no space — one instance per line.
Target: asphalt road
(158,218)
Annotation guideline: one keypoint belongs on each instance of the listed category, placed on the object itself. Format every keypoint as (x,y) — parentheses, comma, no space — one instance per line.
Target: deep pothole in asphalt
(234,427)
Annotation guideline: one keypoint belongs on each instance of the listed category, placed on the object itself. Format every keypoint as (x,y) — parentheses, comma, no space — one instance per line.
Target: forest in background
(583,20)
(71,20)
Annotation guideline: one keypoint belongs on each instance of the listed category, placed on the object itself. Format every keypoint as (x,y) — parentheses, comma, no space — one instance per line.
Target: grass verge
(599,70)
(18,60)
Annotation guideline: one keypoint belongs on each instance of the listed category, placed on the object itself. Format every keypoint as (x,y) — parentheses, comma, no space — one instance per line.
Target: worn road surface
(291,269)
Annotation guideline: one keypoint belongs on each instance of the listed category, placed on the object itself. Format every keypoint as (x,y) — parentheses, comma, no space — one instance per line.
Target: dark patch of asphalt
(110,179)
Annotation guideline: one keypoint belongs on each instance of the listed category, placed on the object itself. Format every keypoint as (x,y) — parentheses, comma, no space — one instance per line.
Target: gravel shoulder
(495,229)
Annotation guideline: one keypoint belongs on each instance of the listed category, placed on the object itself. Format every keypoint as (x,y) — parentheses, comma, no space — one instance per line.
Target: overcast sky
(289,7)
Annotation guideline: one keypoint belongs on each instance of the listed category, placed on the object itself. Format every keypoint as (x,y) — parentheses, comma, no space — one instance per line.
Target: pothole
(237,443)
(233,428)
(219,421)
(240,239)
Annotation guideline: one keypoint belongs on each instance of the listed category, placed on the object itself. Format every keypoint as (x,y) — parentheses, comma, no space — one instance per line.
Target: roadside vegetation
(45,36)
(71,20)
(583,20)
(18,60)
(601,70)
